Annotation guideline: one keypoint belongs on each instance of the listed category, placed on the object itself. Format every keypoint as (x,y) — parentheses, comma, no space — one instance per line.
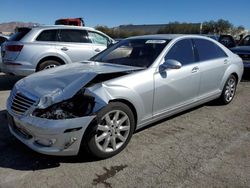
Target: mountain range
(10,27)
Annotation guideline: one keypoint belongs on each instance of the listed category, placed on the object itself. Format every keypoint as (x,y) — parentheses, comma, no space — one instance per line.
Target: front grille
(21,103)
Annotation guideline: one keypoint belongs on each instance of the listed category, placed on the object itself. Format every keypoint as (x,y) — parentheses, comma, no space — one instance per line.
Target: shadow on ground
(8,81)
(16,155)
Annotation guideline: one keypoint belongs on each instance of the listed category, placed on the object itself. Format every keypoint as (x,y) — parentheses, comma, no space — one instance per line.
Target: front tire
(229,90)
(114,129)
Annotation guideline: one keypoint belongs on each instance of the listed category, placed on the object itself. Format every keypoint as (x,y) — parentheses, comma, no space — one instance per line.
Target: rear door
(213,64)
(75,44)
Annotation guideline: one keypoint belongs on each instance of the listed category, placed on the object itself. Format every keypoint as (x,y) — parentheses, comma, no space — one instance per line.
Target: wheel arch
(232,70)
(130,105)
(236,76)
(50,58)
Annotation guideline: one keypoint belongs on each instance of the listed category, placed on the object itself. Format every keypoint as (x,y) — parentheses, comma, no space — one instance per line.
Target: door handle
(64,49)
(195,69)
(97,50)
(225,61)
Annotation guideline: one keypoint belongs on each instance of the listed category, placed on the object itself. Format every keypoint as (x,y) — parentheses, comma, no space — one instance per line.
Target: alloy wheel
(112,131)
(230,89)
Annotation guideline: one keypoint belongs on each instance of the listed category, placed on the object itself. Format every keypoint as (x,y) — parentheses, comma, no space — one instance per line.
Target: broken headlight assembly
(78,106)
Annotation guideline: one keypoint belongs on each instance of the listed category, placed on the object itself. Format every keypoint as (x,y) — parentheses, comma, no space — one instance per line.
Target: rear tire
(114,127)
(229,90)
(48,65)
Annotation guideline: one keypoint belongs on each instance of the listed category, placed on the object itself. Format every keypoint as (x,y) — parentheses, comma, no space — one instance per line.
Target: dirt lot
(208,146)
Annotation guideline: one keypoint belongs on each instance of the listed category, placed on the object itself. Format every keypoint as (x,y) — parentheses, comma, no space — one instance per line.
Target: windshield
(133,52)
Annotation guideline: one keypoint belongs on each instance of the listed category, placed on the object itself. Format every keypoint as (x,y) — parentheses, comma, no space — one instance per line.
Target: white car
(3,38)
(43,47)
(98,104)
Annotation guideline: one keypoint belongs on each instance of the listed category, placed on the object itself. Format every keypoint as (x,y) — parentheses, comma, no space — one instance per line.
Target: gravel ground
(208,146)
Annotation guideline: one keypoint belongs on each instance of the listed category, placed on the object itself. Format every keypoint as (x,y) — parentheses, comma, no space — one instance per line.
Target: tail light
(14,48)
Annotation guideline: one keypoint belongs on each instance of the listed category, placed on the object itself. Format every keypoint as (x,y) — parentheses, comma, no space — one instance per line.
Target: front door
(175,88)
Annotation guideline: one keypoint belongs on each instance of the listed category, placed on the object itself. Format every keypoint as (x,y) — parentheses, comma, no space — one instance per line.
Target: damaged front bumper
(52,137)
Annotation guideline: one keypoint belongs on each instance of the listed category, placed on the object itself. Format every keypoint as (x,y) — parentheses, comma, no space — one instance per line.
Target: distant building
(151,28)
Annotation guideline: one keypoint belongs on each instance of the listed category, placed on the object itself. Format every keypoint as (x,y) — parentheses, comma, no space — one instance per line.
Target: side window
(70,35)
(97,38)
(47,35)
(182,51)
(208,50)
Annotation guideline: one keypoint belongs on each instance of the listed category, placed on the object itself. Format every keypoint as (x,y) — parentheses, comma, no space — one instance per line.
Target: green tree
(217,27)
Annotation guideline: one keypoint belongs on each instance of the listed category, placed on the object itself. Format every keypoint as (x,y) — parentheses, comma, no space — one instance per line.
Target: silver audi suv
(43,47)
(98,104)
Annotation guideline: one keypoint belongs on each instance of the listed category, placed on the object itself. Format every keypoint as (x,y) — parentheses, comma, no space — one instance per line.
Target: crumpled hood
(66,80)
(241,49)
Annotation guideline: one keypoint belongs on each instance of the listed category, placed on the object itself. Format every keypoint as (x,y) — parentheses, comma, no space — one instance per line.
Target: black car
(226,40)
(243,50)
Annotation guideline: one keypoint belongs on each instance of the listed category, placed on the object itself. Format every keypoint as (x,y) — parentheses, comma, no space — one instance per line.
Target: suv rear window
(20,34)
(47,35)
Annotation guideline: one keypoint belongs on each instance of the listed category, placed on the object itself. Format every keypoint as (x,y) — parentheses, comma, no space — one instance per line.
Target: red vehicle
(70,21)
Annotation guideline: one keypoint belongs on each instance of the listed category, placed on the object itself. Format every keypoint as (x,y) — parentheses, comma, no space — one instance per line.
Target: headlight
(47,100)
(78,106)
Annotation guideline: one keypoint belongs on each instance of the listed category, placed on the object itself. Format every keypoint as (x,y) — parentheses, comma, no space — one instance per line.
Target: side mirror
(170,64)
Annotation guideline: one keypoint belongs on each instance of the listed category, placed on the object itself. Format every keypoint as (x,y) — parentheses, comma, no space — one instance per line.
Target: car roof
(157,36)
(167,36)
(61,27)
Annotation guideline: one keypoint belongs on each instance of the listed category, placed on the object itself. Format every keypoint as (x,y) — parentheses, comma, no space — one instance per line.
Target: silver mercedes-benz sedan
(97,105)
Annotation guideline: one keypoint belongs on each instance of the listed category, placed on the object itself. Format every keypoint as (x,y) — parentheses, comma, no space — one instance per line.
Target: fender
(51,52)
(233,68)
(116,92)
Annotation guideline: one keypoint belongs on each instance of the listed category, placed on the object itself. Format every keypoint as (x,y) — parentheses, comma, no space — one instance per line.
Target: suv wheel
(48,64)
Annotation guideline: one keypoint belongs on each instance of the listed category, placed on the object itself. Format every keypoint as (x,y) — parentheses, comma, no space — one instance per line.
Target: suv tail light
(14,48)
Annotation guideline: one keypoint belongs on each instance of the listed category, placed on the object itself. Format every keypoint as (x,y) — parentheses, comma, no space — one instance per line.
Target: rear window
(19,34)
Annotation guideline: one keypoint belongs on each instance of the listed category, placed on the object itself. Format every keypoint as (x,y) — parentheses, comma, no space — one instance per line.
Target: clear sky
(118,12)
